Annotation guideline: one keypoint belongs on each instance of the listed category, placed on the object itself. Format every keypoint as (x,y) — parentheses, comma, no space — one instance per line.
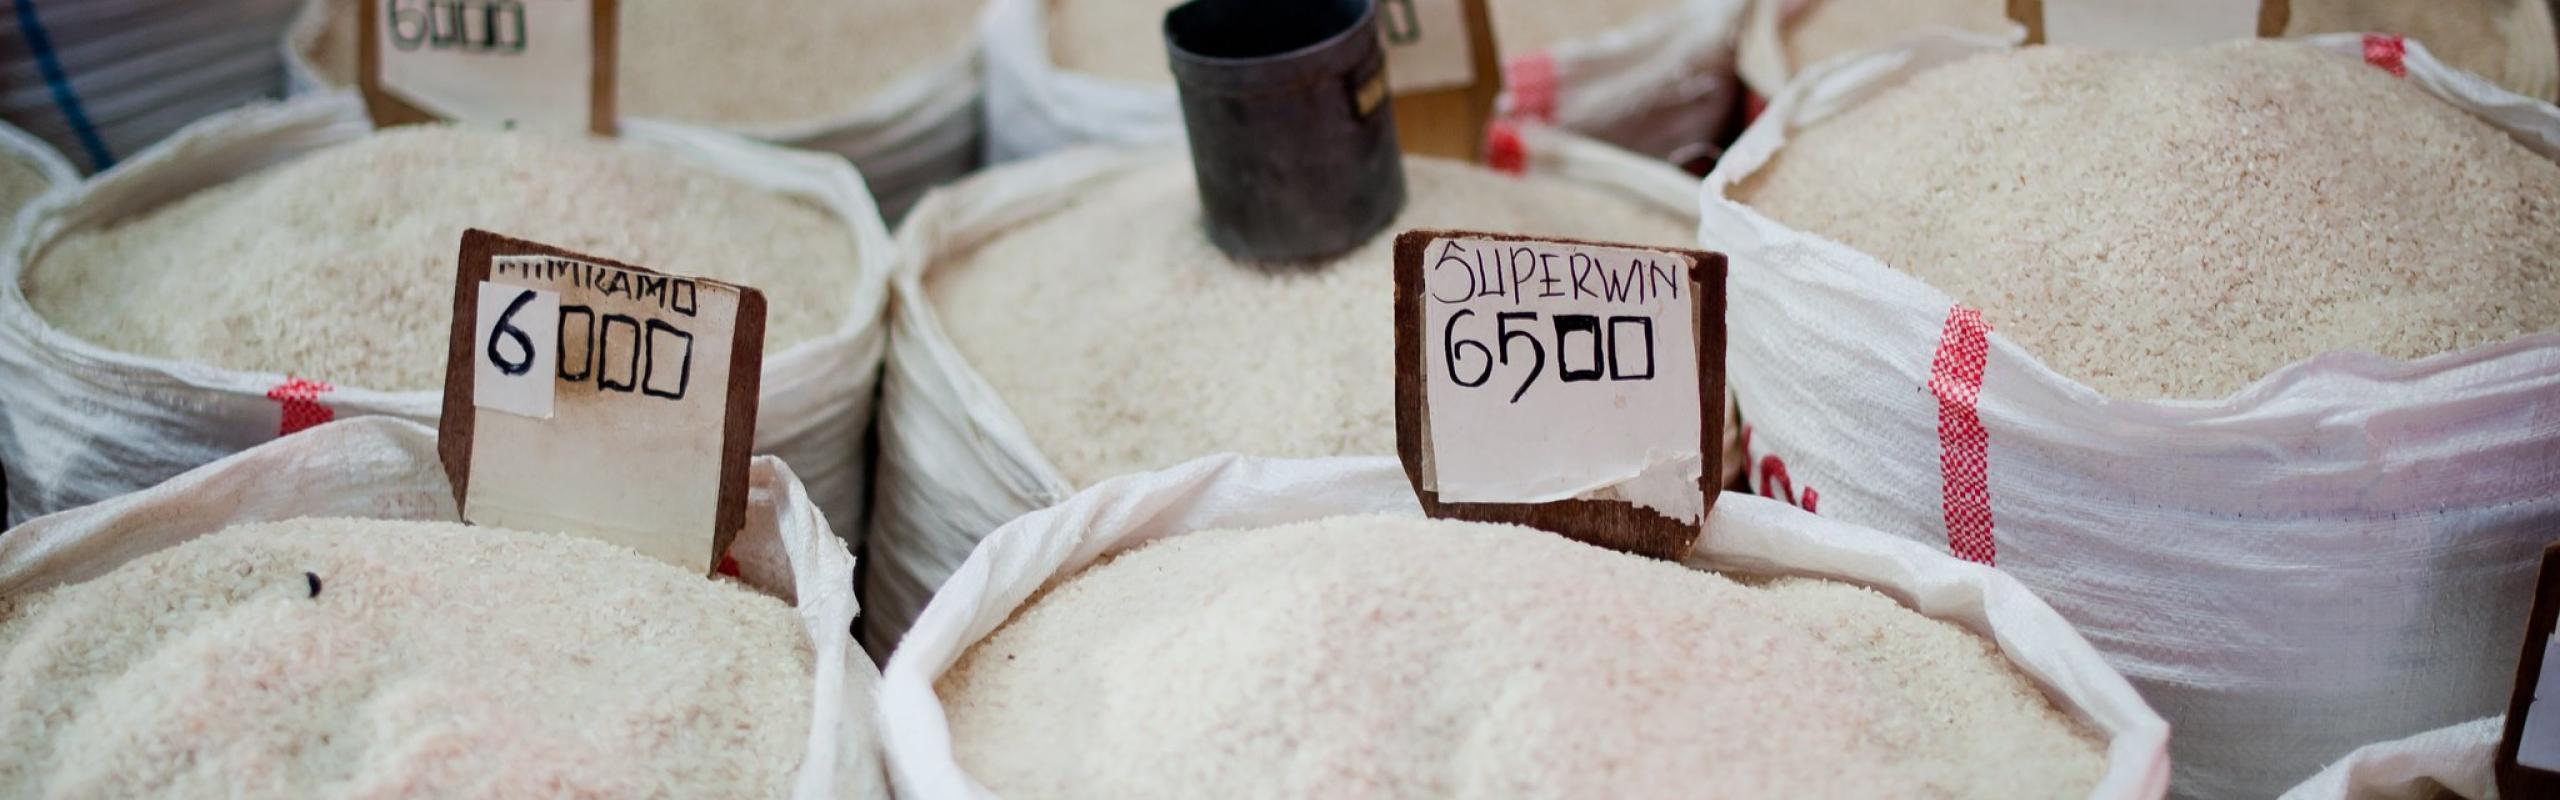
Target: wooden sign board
(1535,375)
(590,397)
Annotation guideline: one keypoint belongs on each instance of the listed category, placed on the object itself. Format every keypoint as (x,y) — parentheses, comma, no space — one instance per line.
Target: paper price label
(537,64)
(590,397)
(1559,378)
(1427,47)
(515,368)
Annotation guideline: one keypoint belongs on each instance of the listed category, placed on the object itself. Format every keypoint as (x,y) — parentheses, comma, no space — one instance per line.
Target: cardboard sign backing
(1442,111)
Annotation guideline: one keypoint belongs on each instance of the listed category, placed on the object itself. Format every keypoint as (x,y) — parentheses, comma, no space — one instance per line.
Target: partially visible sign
(1568,385)
(589,397)
(2529,753)
(537,64)
(1428,45)
(2151,23)
(1444,72)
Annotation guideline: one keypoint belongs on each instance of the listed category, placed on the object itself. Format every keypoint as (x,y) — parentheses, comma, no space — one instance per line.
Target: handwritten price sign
(1563,384)
(590,397)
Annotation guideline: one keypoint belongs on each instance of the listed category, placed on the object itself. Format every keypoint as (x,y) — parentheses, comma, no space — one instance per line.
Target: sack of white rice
(2509,42)
(2243,356)
(101,80)
(306,618)
(284,265)
(2451,762)
(891,84)
(1654,76)
(29,170)
(1237,626)
(1065,320)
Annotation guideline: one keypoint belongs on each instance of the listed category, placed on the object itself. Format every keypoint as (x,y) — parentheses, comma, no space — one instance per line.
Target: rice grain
(2177,224)
(339,265)
(2476,36)
(434,660)
(1125,341)
(1397,657)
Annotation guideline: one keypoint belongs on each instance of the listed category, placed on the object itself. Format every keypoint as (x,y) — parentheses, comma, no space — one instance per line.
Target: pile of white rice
(1124,39)
(2476,36)
(2178,224)
(770,62)
(339,265)
(1391,657)
(433,660)
(1125,341)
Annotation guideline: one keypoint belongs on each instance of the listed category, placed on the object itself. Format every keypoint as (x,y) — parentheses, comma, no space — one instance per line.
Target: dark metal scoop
(1293,141)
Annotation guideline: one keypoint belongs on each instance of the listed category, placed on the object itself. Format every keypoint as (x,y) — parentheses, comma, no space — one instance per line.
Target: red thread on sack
(2386,51)
(302,408)
(728,566)
(1752,105)
(1776,485)
(1964,465)
(1503,150)
(1532,83)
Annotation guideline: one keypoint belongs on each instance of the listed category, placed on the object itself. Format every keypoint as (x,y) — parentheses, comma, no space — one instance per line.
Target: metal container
(1293,141)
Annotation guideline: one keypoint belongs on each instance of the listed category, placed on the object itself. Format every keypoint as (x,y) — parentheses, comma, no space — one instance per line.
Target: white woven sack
(912,136)
(1660,85)
(32,153)
(2338,554)
(954,460)
(79,422)
(106,78)
(388,469)
(1744,534)
(2458,759)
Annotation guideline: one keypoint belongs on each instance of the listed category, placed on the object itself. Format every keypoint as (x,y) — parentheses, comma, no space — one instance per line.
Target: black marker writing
(505,327)
(486,26)
(1461,273)
(1608,343)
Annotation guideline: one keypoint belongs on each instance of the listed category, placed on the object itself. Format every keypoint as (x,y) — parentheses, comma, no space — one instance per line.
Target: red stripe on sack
(1532,83)
(1964,464)
(2386,52)
(302,408)
(1503,150)
(1752,105)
